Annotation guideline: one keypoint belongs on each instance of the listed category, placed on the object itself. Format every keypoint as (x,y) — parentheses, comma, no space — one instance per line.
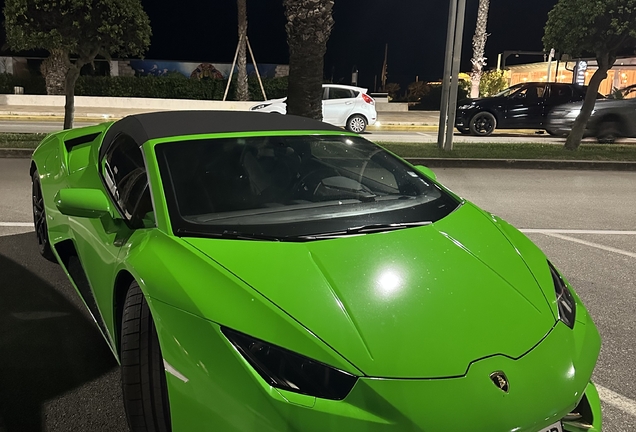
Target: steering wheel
(308,184)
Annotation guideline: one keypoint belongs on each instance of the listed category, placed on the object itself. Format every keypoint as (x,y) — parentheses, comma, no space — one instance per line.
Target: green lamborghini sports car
(260,272)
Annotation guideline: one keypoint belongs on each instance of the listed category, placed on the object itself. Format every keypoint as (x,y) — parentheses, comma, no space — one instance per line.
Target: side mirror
(426,171)
(88,203)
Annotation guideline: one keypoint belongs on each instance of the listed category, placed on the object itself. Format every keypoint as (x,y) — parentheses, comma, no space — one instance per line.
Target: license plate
(553,428)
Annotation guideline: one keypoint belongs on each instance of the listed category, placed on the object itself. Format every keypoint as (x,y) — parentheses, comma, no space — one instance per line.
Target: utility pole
(448,109)
(384,67)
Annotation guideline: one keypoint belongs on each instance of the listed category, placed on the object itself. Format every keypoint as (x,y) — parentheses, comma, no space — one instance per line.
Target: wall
(125,103)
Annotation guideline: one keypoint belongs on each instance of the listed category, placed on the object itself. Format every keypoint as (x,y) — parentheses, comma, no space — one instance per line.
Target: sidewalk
(43,113)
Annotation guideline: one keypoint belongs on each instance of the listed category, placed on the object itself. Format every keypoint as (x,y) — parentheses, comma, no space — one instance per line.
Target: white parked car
(342,105)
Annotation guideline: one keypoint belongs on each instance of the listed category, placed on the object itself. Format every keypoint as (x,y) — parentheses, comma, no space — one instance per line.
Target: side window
(530,92)
(560,94)
(125,176)
(339,93)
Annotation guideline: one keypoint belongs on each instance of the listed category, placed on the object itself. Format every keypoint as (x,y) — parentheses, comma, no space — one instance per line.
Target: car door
(99,241)
(558,94)
(338,105)
(525,107)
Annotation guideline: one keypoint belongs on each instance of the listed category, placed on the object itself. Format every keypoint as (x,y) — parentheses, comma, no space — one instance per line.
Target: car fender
(172,272)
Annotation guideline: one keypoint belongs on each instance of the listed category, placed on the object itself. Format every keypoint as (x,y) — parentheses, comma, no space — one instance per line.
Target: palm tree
(54,70)
(242,92)
(479,46)
(309,24)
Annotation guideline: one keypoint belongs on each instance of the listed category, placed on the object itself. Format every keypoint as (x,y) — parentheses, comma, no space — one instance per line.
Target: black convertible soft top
(144,127)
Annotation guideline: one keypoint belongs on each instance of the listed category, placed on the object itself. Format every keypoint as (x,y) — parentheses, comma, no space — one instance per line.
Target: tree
(393,90)
(602,28)
(242,92)
(79,28)
(479,46)
(309,24)
(417,90)
(492,82)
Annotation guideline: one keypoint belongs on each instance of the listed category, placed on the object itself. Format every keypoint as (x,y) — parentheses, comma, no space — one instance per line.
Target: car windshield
(291,187)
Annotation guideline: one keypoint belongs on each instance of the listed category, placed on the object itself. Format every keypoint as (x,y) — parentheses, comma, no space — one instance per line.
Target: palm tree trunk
(242,91)
(309,24)
(69,108)
(54,69)
(479,46)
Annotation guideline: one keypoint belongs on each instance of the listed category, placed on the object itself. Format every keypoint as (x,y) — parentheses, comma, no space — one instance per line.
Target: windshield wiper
(365,229)
(229,234)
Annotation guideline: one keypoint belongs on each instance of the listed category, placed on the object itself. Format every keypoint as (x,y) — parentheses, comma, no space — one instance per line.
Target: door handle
(348,103)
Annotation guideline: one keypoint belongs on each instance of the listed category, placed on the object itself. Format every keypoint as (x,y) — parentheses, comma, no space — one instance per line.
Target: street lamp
(450,83)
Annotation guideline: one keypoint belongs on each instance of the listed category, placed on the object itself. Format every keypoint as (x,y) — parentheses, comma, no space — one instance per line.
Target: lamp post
(448,109)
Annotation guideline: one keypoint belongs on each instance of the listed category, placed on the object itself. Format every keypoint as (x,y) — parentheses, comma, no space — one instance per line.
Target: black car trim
(84,139)
(67,252)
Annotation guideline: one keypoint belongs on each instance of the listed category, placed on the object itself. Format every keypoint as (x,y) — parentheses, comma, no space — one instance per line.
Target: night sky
(414,29)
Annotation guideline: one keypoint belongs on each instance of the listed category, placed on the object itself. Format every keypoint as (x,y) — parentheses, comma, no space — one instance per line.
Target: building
(623,73)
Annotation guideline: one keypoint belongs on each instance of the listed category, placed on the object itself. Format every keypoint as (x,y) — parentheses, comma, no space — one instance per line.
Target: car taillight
(368,99)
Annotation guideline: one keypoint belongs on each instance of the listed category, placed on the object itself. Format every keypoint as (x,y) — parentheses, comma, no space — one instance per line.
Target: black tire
(483,124)
(356,123)
(143,376)
(464,131)
(39,218)
(608,132)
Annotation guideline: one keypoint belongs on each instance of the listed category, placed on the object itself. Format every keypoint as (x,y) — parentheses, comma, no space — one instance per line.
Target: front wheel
(483,124)
(357,123)
(39,218)
(608,132)
(143,377)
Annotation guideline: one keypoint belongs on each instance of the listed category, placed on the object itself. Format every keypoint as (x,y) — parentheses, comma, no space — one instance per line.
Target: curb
(396,126)
(56,118)
(546,164)
(14,153)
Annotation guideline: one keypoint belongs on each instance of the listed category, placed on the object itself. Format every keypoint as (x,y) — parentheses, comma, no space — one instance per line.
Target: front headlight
(259,106)
(565,299)
(465,107)
(289,371)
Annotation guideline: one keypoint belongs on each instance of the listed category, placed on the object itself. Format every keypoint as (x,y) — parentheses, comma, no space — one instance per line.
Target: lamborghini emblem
(501,381)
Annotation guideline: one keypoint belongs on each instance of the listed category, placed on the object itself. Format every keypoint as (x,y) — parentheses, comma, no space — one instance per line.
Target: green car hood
(415,303)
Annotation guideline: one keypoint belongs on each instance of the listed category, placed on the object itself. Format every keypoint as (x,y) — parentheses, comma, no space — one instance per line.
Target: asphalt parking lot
(57,374)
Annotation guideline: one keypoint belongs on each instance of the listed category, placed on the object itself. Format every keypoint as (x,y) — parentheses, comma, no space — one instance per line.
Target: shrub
(433,100)
(31,84)
(492,82)
(174,86)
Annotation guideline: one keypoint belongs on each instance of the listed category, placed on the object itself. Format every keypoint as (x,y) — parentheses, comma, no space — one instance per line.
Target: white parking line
(624,404)
(594,245)
(570,231)
(16,224)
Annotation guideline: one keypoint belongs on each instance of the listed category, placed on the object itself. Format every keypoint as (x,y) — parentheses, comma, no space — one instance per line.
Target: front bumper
(560,125)
(216,389)
(462,118)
